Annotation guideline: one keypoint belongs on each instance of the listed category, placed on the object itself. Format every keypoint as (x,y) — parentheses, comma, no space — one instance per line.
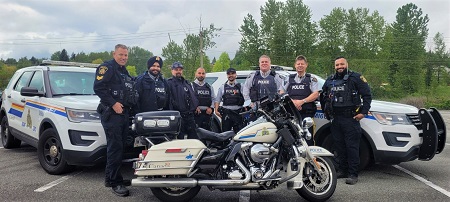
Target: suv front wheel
(8,140)
(50,153)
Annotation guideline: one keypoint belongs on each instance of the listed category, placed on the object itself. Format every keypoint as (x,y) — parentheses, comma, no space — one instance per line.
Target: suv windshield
(71,83)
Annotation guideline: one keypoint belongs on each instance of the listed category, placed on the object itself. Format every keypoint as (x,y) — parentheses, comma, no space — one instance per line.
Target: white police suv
(392,132)
(53,108)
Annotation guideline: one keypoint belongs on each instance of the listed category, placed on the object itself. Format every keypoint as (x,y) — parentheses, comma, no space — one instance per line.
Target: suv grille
(415,120)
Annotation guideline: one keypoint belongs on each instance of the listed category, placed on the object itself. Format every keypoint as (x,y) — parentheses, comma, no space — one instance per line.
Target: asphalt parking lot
(23,179)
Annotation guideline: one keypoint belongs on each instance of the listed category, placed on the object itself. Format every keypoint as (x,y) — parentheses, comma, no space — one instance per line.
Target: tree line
(392,56)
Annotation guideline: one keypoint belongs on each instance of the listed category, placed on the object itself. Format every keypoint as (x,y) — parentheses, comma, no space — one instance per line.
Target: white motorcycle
(266,153)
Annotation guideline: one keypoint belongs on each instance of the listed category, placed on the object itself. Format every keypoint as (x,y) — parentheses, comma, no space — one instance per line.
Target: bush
(418,102)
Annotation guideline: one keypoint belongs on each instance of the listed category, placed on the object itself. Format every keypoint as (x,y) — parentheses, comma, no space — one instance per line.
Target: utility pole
(201,42)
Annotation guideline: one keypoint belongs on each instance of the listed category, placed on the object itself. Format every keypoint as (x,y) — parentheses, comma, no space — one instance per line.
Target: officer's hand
(251,105)
(358,117)
(217,113)
(198,111)
(118,108)
(209,111)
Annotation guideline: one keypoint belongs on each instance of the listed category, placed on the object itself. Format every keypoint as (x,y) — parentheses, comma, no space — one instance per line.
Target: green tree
(63,56)
(223,63)
(55,55)
(302,32)
(189,52)
(97,61)
(408,49)
(250,45)
(138,57)
(23,62)
(132,70)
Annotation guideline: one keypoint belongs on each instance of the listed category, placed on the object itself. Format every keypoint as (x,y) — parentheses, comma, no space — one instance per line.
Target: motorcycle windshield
(290,107)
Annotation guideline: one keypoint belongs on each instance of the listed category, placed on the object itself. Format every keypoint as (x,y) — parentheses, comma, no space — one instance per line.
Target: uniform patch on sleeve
(363,79)
(102,70)
(314,79)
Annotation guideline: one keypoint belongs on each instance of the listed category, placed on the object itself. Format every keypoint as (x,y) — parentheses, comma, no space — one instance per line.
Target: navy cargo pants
(346,133)
(116,130)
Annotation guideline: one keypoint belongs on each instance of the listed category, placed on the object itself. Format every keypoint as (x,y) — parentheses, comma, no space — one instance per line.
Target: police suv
(392,132)
(53,107)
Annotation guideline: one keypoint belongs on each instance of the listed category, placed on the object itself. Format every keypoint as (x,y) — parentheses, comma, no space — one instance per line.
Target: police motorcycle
(268,152)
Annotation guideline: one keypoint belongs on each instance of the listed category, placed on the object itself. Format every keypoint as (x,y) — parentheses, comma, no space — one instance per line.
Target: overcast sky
(41,27)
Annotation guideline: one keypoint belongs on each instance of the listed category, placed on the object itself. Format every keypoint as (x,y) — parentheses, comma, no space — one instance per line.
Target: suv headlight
(391,119)
(78,115)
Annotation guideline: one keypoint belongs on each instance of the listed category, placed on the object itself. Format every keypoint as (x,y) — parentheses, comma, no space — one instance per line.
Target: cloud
(40,28)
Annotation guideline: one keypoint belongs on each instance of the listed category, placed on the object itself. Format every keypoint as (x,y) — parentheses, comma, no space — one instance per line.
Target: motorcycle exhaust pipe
(191,182)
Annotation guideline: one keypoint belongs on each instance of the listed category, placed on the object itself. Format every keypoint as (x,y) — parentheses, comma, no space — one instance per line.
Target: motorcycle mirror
(307,123)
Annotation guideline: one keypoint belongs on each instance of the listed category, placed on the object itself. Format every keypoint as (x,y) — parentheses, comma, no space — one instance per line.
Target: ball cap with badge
(154,59)
(177,65)
(231,71)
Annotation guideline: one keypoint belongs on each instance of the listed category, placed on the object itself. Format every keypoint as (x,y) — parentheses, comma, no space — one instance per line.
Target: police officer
(183,100)
(230,94)
(114,86)
(341,100)
(205,96)
(303,89)
(262,82)
(152,88)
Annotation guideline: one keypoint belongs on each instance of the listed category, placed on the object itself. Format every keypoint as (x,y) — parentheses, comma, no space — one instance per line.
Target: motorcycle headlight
(77,115)
(391,118)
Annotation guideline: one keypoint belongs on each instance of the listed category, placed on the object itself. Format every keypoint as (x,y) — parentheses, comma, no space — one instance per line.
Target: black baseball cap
(177,65)
(231,70)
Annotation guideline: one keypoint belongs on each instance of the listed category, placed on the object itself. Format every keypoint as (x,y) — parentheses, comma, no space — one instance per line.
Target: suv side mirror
(30,91)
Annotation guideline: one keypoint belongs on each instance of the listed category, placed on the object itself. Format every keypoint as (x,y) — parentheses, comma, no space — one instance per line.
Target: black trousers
(116,130)
(346,133)
(188,126)
(203,120)
(231,119)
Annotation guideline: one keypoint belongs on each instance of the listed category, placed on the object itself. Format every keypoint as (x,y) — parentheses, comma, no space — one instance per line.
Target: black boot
(120,190)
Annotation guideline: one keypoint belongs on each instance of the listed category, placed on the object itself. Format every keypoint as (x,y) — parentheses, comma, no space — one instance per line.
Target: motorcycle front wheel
(175,194)
(315,187)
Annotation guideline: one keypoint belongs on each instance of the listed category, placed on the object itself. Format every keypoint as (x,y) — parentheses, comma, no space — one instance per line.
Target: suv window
(23,81)
(71,83)
(210,80)
(37,81)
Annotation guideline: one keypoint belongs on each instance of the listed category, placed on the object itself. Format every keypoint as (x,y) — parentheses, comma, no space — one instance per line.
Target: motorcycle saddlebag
(157,122)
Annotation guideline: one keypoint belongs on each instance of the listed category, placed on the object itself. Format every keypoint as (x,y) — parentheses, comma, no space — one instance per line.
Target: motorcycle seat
(213,136)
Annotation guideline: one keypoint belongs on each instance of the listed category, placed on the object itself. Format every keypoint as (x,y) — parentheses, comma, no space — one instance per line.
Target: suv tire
(50,153)
(8,140)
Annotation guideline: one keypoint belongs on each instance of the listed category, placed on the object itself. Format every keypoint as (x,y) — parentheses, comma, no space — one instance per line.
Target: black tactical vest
(160,91)
(343,93)
(300,91)
(232,95)
(263,87)
(203,94)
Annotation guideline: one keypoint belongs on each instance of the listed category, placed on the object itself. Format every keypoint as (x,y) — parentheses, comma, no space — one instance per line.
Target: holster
(104,111)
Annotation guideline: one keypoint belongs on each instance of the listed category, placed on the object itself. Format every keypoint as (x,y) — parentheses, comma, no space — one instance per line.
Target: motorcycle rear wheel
(314,187)
(175,194)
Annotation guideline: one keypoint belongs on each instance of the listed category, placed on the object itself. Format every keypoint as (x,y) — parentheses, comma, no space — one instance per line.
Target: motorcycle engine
(259,153)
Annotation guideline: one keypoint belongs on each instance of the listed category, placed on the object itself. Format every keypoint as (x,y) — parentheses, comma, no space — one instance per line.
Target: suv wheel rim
(51,151)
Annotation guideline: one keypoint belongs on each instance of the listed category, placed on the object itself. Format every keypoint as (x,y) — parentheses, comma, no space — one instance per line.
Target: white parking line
(447,144)
(430,184)
(244,196)
(56,182)
(1,147)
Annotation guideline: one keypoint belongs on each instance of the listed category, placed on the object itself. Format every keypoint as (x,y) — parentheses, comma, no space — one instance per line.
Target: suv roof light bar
(64,63)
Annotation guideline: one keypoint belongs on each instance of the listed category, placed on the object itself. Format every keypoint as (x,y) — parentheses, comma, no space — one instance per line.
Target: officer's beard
(154,73)
(344,72)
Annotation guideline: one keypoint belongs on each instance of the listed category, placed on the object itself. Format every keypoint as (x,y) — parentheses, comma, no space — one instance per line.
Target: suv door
(31,116)
(17,101)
